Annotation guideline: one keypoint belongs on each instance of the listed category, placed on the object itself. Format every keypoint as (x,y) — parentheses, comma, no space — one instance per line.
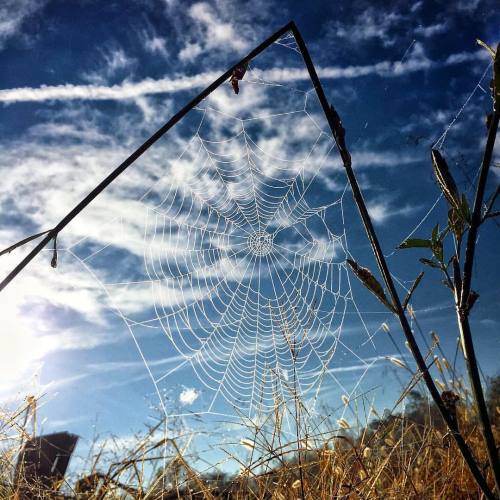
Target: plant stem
(298,429)
(462,307)
(476,212)
(338,134)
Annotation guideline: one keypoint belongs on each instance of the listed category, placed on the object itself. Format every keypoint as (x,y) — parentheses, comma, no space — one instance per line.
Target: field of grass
(394,456)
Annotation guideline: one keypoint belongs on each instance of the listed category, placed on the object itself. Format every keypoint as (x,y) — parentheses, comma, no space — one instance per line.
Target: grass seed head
(343,423)
(440,384)
(397,362)
(247,443)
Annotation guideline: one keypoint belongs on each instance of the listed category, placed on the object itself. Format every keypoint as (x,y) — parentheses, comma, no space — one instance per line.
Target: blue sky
(83,86)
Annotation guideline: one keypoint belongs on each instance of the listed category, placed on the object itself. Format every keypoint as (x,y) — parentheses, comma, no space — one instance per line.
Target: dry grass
(394,456)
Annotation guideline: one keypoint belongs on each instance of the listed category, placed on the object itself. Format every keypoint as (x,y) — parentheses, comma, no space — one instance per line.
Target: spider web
(229,271)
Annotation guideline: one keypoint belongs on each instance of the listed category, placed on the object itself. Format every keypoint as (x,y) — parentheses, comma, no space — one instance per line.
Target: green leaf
(415,243)
(447,285)
(435,234)
(465,209)
(456,223)
(412,289)
(437,250)
(370,282)
(431,263)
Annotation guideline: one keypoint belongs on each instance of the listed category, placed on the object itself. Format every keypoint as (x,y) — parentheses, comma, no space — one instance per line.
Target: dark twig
(412,289)
(23,242)
(338,132)
(491,215)
(463,295)
(488,212)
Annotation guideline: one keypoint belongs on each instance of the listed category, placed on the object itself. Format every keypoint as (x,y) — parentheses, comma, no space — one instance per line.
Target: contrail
(149,86)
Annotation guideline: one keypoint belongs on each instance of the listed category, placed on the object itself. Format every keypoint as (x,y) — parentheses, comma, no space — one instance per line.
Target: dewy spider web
(235,256)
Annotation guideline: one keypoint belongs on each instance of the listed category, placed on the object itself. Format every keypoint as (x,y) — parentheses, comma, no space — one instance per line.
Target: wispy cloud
(370,362)
(13,13)
(382,209)
(111,366)
(114,60)
(432,29)
(388,27)
(370,158)
(212,30)
(373,23)
(152,42)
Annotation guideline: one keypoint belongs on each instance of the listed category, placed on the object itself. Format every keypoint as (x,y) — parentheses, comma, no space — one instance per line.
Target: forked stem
(462,305)
(339,135)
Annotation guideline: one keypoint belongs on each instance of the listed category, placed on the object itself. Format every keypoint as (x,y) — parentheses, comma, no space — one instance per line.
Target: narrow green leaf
(447,285)
(456,223)
(430,263)
(415,243)
(412,289)
(437,250)
(465,209)
(435,233)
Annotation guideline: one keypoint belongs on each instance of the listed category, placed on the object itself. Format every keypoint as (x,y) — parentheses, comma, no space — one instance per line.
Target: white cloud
(382,210)
(432,29)
(157,45)
(368,158)
(29,330)
(110,366)
(114,61)
(416,6)
(190,51)
(390,28)
(13,13)
(188,396)
(214,31)
(467,5)
(372,23)
(462,57)
(367,363)
(152,42)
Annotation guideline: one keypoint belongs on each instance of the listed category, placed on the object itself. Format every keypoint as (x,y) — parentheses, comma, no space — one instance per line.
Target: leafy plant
(463,225)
